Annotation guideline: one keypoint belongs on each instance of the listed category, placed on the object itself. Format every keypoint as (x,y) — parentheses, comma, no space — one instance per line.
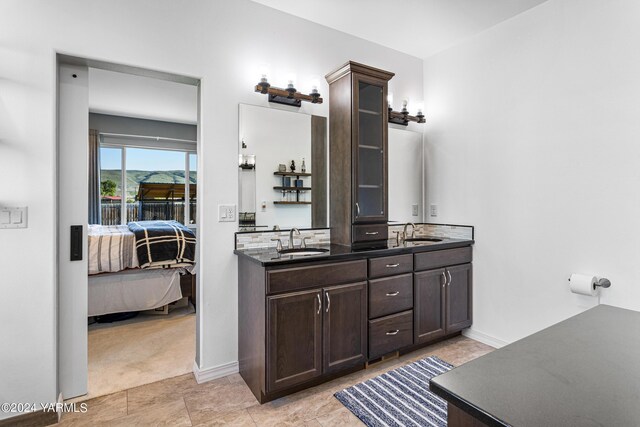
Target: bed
(140,266)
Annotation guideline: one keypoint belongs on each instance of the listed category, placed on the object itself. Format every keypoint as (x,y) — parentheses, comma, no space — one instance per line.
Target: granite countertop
(270,257)
(584,371)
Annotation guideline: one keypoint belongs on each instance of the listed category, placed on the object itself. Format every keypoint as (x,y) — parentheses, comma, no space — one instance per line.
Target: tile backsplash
(262,239)
(436,230)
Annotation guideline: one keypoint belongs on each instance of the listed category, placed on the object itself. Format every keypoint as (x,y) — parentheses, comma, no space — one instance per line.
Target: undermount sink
(303,251)
(422,239)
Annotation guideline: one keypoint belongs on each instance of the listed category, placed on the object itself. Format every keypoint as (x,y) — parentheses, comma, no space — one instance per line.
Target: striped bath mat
(400,397)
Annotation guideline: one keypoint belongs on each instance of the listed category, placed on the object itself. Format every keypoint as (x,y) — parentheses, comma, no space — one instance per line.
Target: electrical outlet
(226,213)
(414,210)
(433,210)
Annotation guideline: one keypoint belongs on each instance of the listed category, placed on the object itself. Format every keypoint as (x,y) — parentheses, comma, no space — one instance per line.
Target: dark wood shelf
(374,113)
(291,203)
(292,188)
(291,174)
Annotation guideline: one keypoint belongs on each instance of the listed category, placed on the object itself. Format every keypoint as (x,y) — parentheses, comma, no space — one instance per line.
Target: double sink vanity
(307,319)
(353,287)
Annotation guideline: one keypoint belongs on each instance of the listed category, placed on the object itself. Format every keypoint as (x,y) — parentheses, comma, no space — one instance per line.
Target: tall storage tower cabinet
(358,123)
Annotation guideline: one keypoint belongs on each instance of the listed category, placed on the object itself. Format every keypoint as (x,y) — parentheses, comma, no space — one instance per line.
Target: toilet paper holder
(602,282)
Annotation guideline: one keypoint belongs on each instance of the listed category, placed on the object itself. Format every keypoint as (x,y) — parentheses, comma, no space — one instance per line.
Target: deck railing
(152,210)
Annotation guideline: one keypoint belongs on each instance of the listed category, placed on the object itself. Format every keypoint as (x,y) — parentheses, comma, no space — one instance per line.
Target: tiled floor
(227,401)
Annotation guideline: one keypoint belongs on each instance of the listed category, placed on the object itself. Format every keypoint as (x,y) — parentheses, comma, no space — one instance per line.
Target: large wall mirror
(271,193)
(270,138)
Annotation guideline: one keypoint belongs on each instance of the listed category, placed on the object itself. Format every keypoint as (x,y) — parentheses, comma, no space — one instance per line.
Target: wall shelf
(291,203)
(292,174)
(292,188)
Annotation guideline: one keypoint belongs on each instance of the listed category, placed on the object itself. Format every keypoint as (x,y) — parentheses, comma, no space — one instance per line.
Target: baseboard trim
(484,338)
(31,419)
(204,375)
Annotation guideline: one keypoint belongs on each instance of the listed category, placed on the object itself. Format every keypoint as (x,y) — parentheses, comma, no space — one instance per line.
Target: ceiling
(418,27)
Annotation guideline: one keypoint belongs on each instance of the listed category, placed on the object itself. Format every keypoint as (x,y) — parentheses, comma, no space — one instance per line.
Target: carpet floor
(400,397)
(142,350)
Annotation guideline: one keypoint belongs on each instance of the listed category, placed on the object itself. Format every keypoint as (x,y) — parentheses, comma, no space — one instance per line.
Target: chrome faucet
(413,230)
(291,236)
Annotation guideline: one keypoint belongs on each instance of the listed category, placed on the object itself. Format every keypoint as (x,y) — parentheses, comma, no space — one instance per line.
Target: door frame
(69,311)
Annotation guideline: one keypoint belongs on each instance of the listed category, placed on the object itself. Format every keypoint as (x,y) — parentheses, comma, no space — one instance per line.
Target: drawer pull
(393,265)
(372,233)
(393,332)
(393,294)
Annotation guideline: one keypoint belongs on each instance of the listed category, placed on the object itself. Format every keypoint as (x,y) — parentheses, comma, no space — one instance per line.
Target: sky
(145,159)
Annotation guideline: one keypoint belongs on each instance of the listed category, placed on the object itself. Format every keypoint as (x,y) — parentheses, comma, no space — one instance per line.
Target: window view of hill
(135,177)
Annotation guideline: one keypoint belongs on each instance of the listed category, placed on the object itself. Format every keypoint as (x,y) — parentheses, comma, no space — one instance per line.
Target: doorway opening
(139,231)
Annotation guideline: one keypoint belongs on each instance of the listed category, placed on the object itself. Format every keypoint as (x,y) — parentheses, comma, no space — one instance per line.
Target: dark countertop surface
(270,257)
(584,371)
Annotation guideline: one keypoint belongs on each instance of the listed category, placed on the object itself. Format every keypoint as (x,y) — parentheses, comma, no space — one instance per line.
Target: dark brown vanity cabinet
(300,323)
(442,296)
(358,118)
(315,332)
(307,322)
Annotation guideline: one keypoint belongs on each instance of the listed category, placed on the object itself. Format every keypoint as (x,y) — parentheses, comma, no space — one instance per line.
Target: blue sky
(145,159)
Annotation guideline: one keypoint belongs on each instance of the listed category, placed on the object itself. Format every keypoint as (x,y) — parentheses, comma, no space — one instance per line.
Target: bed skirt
(133,290)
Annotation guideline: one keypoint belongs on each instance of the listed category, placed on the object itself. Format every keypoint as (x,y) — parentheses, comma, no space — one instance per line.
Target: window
(111,185)
(155,185)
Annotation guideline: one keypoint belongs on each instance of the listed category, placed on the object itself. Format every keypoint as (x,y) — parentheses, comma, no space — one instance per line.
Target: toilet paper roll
(584,285)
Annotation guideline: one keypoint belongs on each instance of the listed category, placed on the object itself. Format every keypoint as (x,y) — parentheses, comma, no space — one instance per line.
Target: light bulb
(390,99)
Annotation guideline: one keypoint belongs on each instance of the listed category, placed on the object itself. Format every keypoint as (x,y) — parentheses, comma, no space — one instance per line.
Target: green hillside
(134,177)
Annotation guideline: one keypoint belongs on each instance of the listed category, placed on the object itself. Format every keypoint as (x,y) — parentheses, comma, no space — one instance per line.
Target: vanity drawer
(368,232)
(443,258)
(390,295)
(290,279)
(390,333)
(390,265)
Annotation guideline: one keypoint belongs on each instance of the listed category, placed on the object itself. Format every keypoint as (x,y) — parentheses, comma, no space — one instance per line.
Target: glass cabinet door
(370,157)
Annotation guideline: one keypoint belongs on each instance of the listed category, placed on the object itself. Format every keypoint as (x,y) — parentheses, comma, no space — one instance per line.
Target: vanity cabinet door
(294,339)
(429,305)
(369,149)
(345,326)
(459,294)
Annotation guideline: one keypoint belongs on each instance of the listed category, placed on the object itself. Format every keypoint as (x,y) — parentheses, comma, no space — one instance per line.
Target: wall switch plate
(414,210)
(13,217)
(433,210)
(226,213)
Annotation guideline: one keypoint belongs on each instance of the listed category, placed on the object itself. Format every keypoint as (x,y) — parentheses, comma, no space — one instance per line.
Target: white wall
(221,42)
(276,137)
(532,136)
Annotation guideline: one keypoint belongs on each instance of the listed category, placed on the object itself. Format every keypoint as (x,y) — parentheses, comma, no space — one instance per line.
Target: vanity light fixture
(403,117)
(288,96)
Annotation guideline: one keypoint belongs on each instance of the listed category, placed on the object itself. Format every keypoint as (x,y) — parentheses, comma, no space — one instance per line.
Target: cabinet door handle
(319,303)
(326,294)
(371,233)
(393,265)
(393,294)
(444,279)
(357,208)
(449,274)
(393,332)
